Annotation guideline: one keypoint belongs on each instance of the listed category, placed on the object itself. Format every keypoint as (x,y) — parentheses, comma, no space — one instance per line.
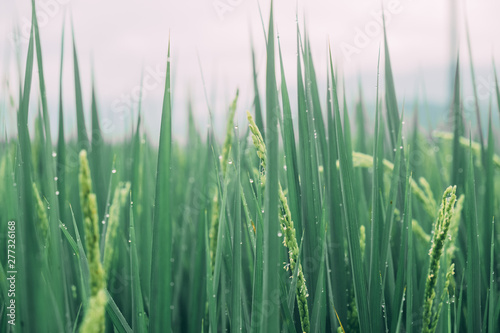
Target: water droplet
(113,171)
(55,178)
(251,181)
(57,192)
(280,234)
(103,222)
(54,154)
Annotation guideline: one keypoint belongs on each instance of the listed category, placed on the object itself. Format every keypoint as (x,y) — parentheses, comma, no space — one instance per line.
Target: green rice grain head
(122,191)
(94,319)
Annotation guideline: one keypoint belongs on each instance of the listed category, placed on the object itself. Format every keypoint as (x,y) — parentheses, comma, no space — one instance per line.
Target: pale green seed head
(438,240)
(258,140)
(226,148)
(121,194)
(91,226)
(362,239)
(94,320)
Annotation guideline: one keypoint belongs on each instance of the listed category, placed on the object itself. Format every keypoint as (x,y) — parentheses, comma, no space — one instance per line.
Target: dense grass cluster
(312,225)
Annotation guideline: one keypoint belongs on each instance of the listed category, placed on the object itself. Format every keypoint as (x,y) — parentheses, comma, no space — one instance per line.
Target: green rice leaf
(292,175)
(474,86)
(473,269)
(272,246)
(236,320)
(29,278)
(83,139)
(336,228)
(117,318)
(139,316)
(160,318)
(393,120)
(350,214)
(256,101)
(57,269)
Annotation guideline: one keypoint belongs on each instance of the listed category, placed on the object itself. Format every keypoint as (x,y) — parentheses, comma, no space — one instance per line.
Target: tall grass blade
(288,325)
(61,145)
(290,153)
(474,87)
(29,264)
(119,322)
(308,167)
(256,101)
(492,323)
(393,120)
(258,276)
(497,87)
(272,246)
(83,139)
(139,316)
(336,227)
(160,319)
(376,218)
(96,155)
(458,131)
(350,215)
(236,320)
(211,300)
(473,268)
(410,259)
(57,269)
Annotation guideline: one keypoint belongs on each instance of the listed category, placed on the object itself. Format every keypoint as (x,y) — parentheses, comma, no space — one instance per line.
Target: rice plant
(331,223)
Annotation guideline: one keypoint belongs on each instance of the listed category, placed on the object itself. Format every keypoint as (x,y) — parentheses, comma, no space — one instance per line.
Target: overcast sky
(127,37)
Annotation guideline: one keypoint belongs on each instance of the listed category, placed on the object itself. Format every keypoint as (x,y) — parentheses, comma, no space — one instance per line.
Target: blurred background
(211,40)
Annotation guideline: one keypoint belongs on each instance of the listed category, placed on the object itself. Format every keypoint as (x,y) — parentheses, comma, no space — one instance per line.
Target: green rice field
(312,215)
